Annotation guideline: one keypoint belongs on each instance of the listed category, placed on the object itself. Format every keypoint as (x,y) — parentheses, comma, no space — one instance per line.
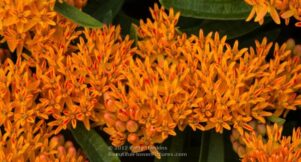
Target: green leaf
(93,145)
(176,145)
(76,15)
(231,28)
(104,10)
(212,147)
(210,9)
(125,22)
(276,119)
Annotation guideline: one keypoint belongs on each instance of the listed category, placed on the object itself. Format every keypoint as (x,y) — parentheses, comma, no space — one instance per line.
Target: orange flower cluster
(58,78)
(33,142)
(238,144)
(20,18)
(284,9)
(276,149)
(200,81)
(141,94)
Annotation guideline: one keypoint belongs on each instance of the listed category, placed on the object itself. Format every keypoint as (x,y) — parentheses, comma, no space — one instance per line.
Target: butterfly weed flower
(285,9)
(276,148)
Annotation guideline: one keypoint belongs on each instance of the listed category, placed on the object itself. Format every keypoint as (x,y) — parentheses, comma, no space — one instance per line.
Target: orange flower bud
(61,139)
(120,126)
(235,146)
(235,134)
(43,157)
(132,138)
(261,129)
(131,126)
(68,144)
(61,150)
(122,115)
(54,142)
(241,151)
(297,50)
(110,119)
(71,151)
(290,44)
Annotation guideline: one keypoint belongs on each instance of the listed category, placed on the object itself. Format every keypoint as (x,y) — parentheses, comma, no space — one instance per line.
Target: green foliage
(104,10)
(76,15)
(93,145)
(210,9)
(223,27)
(212,147)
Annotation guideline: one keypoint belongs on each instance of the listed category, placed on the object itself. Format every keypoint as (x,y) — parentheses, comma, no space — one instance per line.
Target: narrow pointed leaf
(76,15)
(232,29)
(93,145)
(212,147)
(210,9)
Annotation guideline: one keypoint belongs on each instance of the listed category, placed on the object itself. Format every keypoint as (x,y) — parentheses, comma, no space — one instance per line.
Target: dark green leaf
(93,145)
(276,119)
(76,15)
(104,10)
(125,22)
(176,146)
(212,147)
(210,9)
(232,29)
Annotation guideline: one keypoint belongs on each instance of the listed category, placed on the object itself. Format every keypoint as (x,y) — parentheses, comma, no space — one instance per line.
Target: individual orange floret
(277,148)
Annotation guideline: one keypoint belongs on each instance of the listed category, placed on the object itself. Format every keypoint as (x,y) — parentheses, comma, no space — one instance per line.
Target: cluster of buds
(239,145)
(62,151)
(295,48)
(274,147)
(197,81)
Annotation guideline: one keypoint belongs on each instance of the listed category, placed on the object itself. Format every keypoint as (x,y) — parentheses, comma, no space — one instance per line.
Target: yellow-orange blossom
(141,94)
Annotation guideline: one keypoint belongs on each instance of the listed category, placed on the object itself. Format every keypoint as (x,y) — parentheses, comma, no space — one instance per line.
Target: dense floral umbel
(139,94)
(285,9)
(24,20)
(277,148)
(200,81)
(35,142)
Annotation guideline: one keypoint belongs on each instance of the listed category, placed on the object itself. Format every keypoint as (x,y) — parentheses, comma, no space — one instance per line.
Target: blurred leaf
(176,146)
(204,147)
(125,22)
(232,29)
(104,10)
(212,147)
(76,15)
(276,119)
(93,145)
(210,9)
